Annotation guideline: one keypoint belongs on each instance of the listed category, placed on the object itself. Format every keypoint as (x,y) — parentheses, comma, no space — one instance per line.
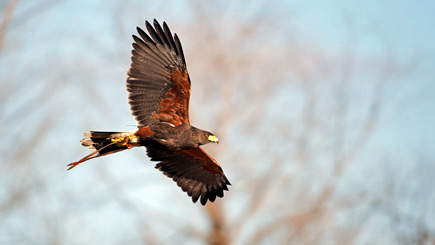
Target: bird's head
(204,137)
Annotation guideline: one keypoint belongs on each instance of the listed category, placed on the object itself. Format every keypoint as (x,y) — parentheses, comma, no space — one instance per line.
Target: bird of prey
(159,90)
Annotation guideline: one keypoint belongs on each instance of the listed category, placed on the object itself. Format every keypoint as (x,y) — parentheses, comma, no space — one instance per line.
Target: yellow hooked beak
(213,138)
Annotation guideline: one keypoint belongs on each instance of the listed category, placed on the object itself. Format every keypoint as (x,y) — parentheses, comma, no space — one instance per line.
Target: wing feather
(179,47)
(158,82)
(161,33)
(168,35)
(199,175)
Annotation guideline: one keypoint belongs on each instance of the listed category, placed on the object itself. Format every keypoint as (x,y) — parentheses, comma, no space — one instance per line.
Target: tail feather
(105,143)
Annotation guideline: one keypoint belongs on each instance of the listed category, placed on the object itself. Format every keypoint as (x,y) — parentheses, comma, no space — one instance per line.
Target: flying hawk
(159,90)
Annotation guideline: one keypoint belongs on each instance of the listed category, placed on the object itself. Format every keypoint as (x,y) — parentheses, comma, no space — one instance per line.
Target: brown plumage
(159,91)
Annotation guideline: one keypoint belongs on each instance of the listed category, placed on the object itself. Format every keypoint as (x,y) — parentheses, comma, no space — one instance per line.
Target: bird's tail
(105,143)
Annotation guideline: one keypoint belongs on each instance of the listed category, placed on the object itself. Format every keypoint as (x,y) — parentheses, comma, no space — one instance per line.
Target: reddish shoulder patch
(208,163)
(174,107)
(144,132)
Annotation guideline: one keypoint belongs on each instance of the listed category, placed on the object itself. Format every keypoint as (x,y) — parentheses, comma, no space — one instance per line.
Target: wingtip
(135,38)
(204,199)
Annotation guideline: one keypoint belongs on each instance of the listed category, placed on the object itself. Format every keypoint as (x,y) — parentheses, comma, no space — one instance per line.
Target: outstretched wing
(193,170)
(158,82)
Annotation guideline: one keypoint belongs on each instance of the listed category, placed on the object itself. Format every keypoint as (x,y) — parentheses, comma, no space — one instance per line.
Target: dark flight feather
(154,59)
(191,171)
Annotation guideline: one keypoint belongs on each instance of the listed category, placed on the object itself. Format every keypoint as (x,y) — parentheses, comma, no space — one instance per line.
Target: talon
(117,140)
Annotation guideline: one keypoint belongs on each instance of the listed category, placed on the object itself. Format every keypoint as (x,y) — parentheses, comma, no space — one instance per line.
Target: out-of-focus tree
(293,120)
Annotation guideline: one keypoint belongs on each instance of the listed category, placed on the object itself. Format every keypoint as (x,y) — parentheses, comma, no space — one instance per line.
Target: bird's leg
(128,142)
(92,155)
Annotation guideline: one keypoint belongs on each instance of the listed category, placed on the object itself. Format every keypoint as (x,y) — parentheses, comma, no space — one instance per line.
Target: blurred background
(324,111)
